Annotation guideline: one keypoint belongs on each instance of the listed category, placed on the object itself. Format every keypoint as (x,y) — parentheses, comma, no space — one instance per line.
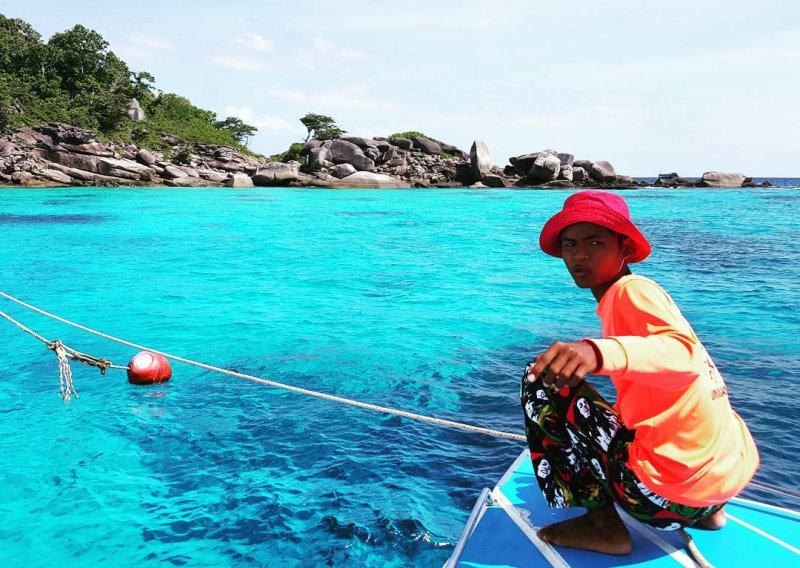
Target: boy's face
(595,256)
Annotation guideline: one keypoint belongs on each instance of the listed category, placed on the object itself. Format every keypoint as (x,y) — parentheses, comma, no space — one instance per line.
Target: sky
(684,86)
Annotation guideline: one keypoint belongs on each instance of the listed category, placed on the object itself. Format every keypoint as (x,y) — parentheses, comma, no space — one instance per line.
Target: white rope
(65,386)
(339,399)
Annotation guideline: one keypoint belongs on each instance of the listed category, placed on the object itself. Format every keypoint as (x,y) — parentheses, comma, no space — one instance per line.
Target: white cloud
(356,97)
(327,51)
(150,42)
(255,42)
(263,123)
(141,47)
(322,45)
(240,63)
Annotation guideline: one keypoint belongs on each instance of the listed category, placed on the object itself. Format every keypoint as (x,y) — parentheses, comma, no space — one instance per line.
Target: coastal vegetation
(74,78)
(73,113)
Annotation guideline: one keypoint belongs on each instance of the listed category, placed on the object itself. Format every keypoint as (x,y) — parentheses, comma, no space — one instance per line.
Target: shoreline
(63,155)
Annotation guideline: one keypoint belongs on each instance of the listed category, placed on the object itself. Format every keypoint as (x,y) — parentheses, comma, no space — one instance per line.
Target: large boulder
(363,143)
(566,159)
(309,146)
(56,176)
(343,170)
(427,146)
(370,180)
(189,181)
(603,171)
(318,157)
(239,180)
(585,164)
(579,174)
(125,169)
(172,172)
(494,180)
(276,174)
(135,111)
(212,176)
(523,164)
(454,151)
(479,159)
(344,152)
(546,167)
(76,161)
(403,143)
(721,179)
(145,157)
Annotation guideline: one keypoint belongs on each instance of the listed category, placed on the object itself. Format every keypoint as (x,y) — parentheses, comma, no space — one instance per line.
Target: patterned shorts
(579,448)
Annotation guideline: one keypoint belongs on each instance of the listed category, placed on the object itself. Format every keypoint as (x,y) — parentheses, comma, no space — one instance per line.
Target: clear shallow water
(431,301)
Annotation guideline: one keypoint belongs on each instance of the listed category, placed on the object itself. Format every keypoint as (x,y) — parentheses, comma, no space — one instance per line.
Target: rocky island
(72,113)
(56,154)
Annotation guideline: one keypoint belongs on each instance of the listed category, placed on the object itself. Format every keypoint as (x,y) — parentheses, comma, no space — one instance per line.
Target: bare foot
(600,530)
(714,521)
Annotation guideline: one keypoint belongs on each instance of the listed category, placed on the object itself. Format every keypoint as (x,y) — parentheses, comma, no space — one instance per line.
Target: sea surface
(430,301)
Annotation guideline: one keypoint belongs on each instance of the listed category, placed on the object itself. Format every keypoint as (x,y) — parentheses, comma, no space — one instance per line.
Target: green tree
(321,127)
(142,87)
(236,126)
(94,78)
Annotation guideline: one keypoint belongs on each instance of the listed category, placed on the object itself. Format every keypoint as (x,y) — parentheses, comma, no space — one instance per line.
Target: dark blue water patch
(406,534)
(789,198)
(67,219)
(370,213)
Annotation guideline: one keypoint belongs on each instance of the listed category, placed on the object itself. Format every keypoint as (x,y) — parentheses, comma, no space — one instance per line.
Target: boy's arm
(655,344)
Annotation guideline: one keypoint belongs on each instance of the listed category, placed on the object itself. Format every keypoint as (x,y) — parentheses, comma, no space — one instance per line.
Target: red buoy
(147,368)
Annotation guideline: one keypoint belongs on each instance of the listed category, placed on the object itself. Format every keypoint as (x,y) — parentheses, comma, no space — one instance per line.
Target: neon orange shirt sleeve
(653,343)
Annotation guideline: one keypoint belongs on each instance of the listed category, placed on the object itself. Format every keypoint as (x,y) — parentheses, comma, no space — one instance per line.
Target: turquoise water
(426,300)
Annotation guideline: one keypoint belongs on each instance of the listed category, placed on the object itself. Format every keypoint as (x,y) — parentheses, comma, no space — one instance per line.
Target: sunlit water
(425,300)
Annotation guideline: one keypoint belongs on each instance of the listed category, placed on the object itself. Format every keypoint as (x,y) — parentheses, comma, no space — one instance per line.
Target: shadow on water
(68,219)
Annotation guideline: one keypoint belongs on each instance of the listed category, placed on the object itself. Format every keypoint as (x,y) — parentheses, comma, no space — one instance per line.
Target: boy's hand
(564,364)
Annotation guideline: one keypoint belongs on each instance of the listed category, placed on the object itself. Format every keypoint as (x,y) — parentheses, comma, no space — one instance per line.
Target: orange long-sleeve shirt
(689,446)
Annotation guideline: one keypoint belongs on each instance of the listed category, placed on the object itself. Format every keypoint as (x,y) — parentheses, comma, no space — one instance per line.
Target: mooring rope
(334,398)
(63,354)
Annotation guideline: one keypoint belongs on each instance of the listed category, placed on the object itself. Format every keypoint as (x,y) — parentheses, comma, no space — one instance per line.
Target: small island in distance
(73,114)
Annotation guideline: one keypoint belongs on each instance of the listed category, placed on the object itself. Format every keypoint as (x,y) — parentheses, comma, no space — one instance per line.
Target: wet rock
(188,181)
(493,180)
(239,180)
(371,180)
(276,174)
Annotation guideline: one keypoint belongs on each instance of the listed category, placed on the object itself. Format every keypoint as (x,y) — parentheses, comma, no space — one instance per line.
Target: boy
(671,451)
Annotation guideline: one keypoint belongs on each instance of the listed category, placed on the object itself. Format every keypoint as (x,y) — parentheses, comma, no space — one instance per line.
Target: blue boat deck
(504,534)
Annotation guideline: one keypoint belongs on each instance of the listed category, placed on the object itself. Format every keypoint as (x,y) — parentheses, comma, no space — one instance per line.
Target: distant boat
(671,175)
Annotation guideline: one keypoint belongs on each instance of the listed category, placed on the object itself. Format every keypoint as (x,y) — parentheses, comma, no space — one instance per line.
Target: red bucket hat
(601,208)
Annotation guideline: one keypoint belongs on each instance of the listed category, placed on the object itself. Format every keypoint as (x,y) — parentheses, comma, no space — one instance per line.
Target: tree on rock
(236,126)
(321,127)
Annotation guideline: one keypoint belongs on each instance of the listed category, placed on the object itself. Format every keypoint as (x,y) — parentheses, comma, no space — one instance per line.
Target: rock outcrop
(720,179)
(56,154)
